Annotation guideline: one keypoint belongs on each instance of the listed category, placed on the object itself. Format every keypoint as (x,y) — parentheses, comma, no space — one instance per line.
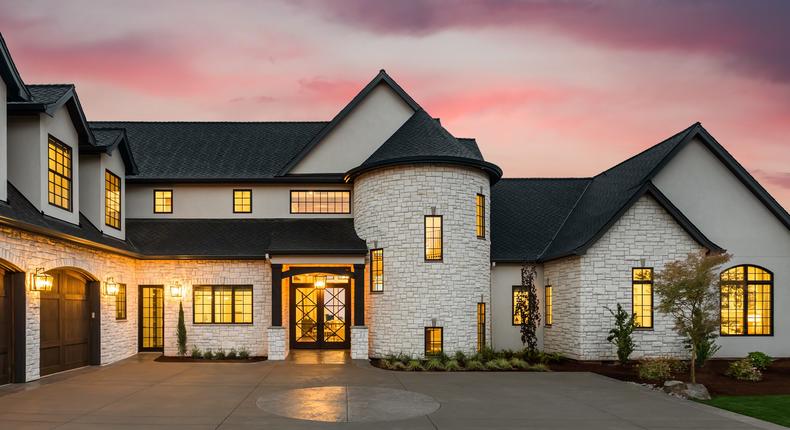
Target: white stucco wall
(216,200)
(505,335)
(354,139)
(25,171)
(391,205)
(3,141)
(733,218)
(60,126)
(91,187)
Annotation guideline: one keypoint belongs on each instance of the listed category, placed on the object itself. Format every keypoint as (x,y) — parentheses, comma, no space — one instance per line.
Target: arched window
(746,301)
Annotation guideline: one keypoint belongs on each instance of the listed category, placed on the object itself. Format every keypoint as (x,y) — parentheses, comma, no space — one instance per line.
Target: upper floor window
(642,296)
(242,201)
(480,216)
(222,304)
(434,344)
(548,305)
(163,201)
(433,238)
(746,301)
(320,202)
(59,177)
(377,270)
(112,200)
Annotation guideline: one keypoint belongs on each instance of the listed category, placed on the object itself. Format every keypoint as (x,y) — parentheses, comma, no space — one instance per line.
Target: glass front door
(320,315)
(152,318)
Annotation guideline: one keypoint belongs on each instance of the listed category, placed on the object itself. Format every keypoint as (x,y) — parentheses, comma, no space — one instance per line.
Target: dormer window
(112,200)
(59,174)
(163,201)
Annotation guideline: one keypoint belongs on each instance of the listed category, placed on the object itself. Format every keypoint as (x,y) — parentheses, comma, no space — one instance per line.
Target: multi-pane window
(222,304)
(59,174)
(642,292)
(112,200)
(433,341)
(519,295)
(120,302)
(481,326)
(377,270)
(320,202)
(548,305)
(433,237)
(746,301)
(163,201)
(480,216)
(242,201)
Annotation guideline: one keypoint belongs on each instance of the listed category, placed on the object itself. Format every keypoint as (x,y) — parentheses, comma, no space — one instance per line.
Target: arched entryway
(69,322)
(12,323)
(320,307)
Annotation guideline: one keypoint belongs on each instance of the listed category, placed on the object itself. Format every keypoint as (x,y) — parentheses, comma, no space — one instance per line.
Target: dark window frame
(634,281)
(120,199)
(427,342)
(480,220)
(372,268)
(52,140)
(172,200)
(745,284)
(121,298)
(548,308)
(233,289)
(291,200)
(235,190)
(481,326)
(515,288)
(425,239)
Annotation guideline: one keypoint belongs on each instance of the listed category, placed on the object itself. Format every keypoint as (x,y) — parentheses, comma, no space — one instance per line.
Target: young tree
(621,334)
(687,291)
(181,332)
(527,308)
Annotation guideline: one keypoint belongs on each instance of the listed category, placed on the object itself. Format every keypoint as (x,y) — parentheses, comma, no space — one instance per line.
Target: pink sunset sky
(565,88)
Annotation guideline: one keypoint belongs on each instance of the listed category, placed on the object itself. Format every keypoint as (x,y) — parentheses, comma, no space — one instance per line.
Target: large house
(378,231)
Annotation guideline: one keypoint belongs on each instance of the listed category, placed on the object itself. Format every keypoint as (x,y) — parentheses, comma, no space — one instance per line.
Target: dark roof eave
(493,171)
(359,251)
(290,179)
(11,75)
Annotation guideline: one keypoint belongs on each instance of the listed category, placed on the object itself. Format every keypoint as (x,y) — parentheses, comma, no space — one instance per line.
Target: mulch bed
(169,359)
(776,380)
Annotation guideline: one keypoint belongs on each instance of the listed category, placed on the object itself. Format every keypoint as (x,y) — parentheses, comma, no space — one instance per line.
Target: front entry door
(152,318)
(320,316)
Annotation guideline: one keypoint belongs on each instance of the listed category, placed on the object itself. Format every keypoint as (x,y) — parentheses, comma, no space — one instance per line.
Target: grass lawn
(774,408)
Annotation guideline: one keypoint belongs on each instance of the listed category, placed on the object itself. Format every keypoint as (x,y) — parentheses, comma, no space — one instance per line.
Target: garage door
(65,323)
(5,328)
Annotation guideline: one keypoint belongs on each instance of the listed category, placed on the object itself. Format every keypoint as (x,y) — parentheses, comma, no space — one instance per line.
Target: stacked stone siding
(564,275)
(390,206)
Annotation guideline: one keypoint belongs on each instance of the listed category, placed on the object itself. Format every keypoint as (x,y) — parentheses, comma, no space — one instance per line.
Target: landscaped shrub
(414,365)
(498,364)
(181,332)
(397,365)
(760,360)
(621,334)
(460,357)
(744,370)
(656,369)
(452,366)
(550,357)
(220,355)
(474,365)
(706,348)
(195,353)
(518,363)
(487,354)
(540,367)
(434,364)
(232,354)
(208,355)
(244,353)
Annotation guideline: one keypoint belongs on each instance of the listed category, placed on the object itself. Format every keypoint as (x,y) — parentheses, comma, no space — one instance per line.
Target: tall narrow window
(434,344)
(242,305)
(519,294)
(642,293)
(481,326)
(548,305)
(480,216)
(433,238)
(120,302)
(320,202)
(222,304)
(746,301)
(242,201)
(377,270)
(59,174)
(163,201)
(112,200)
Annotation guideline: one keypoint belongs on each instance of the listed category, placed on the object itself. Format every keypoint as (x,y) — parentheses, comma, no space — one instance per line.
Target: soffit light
(41,281)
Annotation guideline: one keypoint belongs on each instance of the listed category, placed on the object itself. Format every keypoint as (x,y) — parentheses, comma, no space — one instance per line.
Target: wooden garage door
(65,323)
(5,328)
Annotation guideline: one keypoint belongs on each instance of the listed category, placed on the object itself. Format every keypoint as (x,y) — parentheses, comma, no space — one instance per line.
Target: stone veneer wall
(645,231)
(564,276)
(389,206)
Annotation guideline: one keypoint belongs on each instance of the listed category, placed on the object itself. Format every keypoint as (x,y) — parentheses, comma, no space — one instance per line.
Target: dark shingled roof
(243,238)
(213,150)
(49,93)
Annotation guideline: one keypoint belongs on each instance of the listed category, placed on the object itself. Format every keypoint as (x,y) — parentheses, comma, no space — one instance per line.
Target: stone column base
(359,342)
(277,347)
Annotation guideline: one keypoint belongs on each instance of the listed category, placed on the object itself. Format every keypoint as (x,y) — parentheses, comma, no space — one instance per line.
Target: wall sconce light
(110,287)
(320,281)
(41,281)
(176,290)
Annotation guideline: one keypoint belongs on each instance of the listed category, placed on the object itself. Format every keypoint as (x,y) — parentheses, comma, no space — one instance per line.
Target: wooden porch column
(277,295)
(359,294)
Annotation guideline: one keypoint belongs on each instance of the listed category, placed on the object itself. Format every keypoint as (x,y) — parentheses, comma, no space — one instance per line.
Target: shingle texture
(107,136)
(48,94)
(213,150)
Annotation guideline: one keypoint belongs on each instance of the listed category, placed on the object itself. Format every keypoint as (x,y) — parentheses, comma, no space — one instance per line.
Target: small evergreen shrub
(181,332)
(244,353)
(452,366)
(621,334)
(460,357)
(744,370)
(434,364)
(232,354)
(195,353)
(551,357)
(487,354)
(208,355)
(474,365)
(656,369)
(518,363)
(219,355)
(760,360)
(414,365)
(706,348)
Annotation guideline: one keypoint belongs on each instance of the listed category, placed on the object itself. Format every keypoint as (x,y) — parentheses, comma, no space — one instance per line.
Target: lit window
(642,296)
(481,326)
(377,270)
(519,295)
(112,200)
(59,177)
(548,305)
(222,304)
(120,302)
(433,237)
(746,301)
(433,340)
(480,216)
(320,202)
(242,201)
(163,201)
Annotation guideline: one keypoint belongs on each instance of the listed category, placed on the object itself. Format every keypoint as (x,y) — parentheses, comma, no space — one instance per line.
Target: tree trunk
(693,365)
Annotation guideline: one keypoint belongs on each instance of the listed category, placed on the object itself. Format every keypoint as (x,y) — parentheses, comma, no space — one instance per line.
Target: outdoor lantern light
(176,290)
(320,281)
(110,287)
(41,281)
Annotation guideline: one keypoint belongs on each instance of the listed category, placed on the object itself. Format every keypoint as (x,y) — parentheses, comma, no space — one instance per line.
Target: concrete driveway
(335,393)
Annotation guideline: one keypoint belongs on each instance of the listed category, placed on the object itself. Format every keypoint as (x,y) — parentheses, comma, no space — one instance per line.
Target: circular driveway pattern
(348,404)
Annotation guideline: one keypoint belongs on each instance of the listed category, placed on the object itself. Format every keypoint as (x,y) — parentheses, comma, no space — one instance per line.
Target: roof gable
(47,99)
(17,90)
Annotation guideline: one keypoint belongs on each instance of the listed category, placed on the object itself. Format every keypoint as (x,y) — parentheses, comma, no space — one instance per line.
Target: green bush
(760,360)
(460,357)
(452,366)
(706,348)
(540,367)
(208,355)
(488,354)
(551,357)
(219,355)
(232,354)
(657,369)
(195,353)
(434,364)
(474,365)
(518,363)
(744,370)
(397,365)
(244,353)
(414,365)
(498,364)
(621,335)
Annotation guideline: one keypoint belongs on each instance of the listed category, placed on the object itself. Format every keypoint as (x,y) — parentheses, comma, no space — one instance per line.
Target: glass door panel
(334,327)
(306,314)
